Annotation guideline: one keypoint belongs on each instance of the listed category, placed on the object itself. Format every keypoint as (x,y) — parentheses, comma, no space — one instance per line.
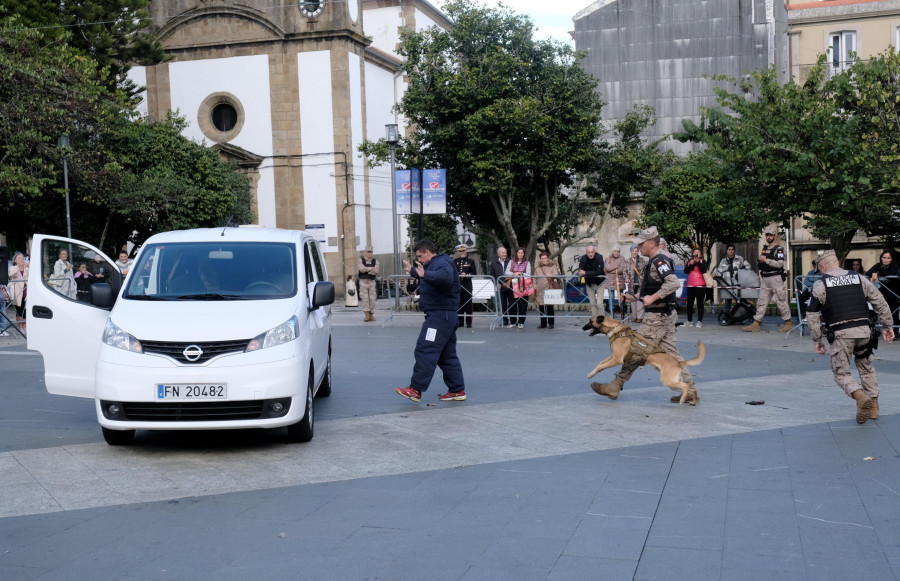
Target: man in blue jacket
(436,347)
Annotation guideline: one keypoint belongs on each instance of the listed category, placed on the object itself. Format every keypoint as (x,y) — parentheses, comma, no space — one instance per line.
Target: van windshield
(220,271)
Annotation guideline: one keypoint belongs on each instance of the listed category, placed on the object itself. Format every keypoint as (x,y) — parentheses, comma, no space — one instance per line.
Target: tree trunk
(840,243)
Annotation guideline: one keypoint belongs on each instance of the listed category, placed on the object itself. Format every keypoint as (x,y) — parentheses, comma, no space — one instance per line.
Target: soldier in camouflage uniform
(772,281)
(657,292)
(840,299)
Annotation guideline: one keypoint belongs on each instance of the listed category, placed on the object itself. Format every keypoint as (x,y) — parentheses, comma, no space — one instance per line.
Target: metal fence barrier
(571,300)
(7,324)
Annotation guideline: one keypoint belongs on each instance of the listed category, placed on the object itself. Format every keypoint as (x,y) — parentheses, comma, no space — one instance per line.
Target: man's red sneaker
(453,396)
(409,393)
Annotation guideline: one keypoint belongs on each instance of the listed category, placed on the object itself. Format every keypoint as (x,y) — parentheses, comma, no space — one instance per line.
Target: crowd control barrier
(13,287)
(570,300)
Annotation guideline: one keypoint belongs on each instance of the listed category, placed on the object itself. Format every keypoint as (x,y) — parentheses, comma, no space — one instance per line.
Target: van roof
(229,234)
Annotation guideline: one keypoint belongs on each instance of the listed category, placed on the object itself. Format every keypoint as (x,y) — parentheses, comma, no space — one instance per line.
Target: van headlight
(283,333)
(116,337)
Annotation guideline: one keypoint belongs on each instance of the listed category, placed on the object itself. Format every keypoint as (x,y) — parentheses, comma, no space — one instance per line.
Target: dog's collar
(618,328)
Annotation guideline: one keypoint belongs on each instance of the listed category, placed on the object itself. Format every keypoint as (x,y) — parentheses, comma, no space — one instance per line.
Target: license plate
(198,391)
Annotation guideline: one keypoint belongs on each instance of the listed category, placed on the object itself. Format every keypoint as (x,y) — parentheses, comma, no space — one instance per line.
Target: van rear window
(214,271)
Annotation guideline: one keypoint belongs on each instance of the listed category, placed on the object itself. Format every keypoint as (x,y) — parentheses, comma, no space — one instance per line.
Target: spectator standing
(590,269)
(368,271)
(465,266)
(773,275)
(497,270)
(806,288)
(83,282)
(728,270)
(63,279)
(614,267)
(885,273)
(436,345)
(545,273)
(696,286)
(519,268)
(840,299)
(635,268)
(124,263)
(18,288)
(856,265)
(664,247)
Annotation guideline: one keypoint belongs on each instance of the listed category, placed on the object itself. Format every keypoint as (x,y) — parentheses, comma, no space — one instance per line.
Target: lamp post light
(63,144)
(392,138)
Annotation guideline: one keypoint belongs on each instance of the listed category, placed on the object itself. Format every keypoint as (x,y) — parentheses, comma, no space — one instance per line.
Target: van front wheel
(118,437)
(302,431)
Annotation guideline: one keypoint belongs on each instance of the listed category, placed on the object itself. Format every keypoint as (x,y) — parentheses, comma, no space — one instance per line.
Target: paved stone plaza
(533,477)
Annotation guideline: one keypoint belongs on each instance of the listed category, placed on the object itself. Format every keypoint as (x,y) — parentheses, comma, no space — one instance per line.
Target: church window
(224,117)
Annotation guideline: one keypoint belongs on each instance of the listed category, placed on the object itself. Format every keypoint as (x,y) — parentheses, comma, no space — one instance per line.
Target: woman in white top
(63,275)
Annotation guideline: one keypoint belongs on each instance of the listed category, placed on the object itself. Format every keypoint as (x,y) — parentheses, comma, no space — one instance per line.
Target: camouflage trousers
(659,328)
(367,295)
(772,286)
(841,351)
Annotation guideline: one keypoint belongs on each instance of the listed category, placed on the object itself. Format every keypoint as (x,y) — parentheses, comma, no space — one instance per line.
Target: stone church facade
(288,91)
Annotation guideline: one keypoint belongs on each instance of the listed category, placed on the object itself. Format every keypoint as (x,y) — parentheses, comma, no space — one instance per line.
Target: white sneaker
(699,324)
(4,334)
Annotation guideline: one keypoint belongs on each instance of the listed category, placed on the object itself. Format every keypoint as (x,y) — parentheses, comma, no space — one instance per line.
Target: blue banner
(434,190)
(409,191)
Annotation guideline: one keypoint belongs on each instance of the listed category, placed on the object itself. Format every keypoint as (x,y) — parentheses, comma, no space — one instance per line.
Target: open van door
(62,325)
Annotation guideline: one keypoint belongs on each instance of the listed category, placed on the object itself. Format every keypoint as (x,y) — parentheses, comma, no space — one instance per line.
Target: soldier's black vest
(844,301)
(367,264)
(663,266)
(771,254)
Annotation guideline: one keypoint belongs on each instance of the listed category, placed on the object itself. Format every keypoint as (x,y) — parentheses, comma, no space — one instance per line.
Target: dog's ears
(600,318)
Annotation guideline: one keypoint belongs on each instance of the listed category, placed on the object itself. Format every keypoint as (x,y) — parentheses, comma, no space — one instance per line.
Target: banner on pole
(434,190)
(409,190)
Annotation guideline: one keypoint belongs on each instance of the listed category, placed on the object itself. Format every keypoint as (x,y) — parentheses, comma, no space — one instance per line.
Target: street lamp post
(63,144)
(392,138)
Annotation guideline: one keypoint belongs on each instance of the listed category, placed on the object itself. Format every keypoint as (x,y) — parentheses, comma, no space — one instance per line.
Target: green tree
(169,182)
(798,150)
(116,34)
(693,205)
(47,90)
(513,120)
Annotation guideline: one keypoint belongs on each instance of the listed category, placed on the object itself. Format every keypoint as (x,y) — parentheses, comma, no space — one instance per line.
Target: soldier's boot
(610,390)
(873,413)
(753,327)
(371,315)
(788,325)
(863,406)
(368,317)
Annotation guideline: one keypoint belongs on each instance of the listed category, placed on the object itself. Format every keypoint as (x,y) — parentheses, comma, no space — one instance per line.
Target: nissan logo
(192,352)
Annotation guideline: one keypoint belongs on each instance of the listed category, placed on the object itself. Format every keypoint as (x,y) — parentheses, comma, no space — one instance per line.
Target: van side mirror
(4,265)
(102,296)
(323,294)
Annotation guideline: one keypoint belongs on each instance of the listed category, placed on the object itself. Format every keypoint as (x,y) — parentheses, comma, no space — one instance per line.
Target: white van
(211,329)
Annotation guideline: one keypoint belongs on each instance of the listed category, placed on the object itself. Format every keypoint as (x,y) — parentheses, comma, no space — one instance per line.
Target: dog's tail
(698,359)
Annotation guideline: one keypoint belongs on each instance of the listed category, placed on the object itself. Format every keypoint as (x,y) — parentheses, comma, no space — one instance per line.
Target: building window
(843,48)
(224,117)
(221,117)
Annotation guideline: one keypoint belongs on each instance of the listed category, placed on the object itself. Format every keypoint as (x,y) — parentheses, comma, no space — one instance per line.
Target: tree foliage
(694,205)
(513,120)
(126,175)
(820,150)
(115,34)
